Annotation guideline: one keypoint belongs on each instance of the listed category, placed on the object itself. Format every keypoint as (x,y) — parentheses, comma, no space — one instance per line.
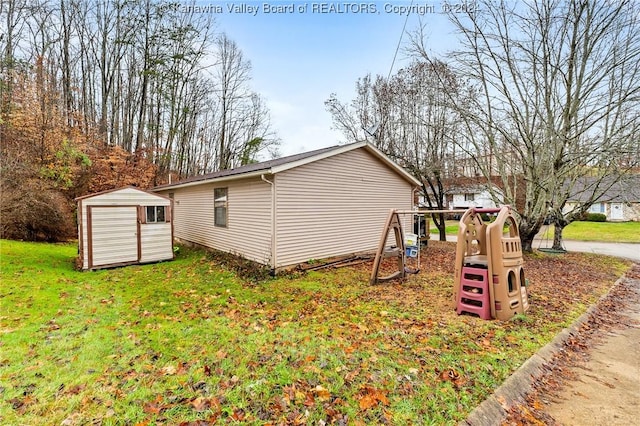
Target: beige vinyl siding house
(324,203)
(123,226)
(248,216)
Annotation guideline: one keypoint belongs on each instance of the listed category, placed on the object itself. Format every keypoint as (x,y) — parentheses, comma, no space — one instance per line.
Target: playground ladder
(473,297)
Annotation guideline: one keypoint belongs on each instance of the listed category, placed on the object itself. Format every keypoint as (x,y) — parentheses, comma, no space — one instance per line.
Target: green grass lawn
(182,341)
(621,232)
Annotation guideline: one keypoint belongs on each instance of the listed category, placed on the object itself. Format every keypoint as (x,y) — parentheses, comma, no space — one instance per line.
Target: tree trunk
(527,243)
(557,237)
(558,226)
(438,220)
(528,232)
(66,67)
(442,231)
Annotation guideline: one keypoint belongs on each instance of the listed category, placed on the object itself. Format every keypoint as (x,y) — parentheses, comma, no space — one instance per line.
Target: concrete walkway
(606,390)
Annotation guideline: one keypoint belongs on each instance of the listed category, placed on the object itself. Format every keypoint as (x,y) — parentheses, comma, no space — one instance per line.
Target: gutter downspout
(273,223)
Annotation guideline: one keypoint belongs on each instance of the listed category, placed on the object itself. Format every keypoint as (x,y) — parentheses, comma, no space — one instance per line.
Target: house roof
(278,165)
(626,189)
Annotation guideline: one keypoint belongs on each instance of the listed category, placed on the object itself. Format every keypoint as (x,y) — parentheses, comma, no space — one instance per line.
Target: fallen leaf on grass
(53,326)
(350,376)
(76,389)
(169,370)
(238,415)
(371,397)
(321,393)
(72,420)
(453,376)
(202,404)
(210,421)
(153,408)
(21,405)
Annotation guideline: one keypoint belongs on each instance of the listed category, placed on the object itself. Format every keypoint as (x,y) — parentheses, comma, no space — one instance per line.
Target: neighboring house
(620,202)
(324,203)
(122,227)
(465,192)
(465,197)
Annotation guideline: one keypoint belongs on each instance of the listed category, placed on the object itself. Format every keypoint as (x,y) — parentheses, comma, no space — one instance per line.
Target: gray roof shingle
(255,167)
(625,190)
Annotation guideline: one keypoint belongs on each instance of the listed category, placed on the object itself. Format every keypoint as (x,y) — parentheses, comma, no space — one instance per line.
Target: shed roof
(108,191)
(278,165)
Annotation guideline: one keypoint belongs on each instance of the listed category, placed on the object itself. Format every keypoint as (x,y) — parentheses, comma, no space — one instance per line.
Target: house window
(156,214)
(596,208)
(469,197)
(220,207)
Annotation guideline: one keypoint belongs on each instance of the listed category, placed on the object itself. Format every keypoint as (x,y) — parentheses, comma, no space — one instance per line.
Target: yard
(620,232)
(190,342)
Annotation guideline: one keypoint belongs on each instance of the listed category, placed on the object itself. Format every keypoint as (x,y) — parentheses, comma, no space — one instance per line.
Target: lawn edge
(494,410)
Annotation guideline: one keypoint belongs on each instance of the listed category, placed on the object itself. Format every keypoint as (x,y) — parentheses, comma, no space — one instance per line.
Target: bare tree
(13,18)
(409,118)
(140,75)
(233,74)
(243,116)
(559,85)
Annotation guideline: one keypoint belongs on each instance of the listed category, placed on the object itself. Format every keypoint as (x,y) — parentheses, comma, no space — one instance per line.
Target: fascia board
(373,150)
(381,156)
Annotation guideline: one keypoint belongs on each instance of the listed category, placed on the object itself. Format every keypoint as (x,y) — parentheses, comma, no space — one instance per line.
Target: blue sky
(299,58)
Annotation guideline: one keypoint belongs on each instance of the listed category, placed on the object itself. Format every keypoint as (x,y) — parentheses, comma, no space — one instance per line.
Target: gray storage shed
(122,227)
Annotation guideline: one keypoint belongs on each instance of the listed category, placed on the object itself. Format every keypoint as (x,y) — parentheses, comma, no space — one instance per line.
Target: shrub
(595,217)
(32,211)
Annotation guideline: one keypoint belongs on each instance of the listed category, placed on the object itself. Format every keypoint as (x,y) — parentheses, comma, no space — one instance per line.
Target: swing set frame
(399,250)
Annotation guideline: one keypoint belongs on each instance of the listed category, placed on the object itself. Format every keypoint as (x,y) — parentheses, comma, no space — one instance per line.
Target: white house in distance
(470,196)
(315,205)
(460,197)
(122,227)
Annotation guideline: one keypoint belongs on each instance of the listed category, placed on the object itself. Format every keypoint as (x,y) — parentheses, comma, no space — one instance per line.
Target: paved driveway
(626,250)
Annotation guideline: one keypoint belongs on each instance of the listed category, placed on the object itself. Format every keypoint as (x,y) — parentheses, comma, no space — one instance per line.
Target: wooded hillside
(105,93)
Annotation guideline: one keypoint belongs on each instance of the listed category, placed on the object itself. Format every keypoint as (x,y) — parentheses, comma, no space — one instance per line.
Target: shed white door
(616,211)
(114,235)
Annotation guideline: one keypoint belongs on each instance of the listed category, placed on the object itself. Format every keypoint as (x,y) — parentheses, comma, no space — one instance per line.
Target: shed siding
(156,239)
(156,242)
(336,206)
(248,231)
